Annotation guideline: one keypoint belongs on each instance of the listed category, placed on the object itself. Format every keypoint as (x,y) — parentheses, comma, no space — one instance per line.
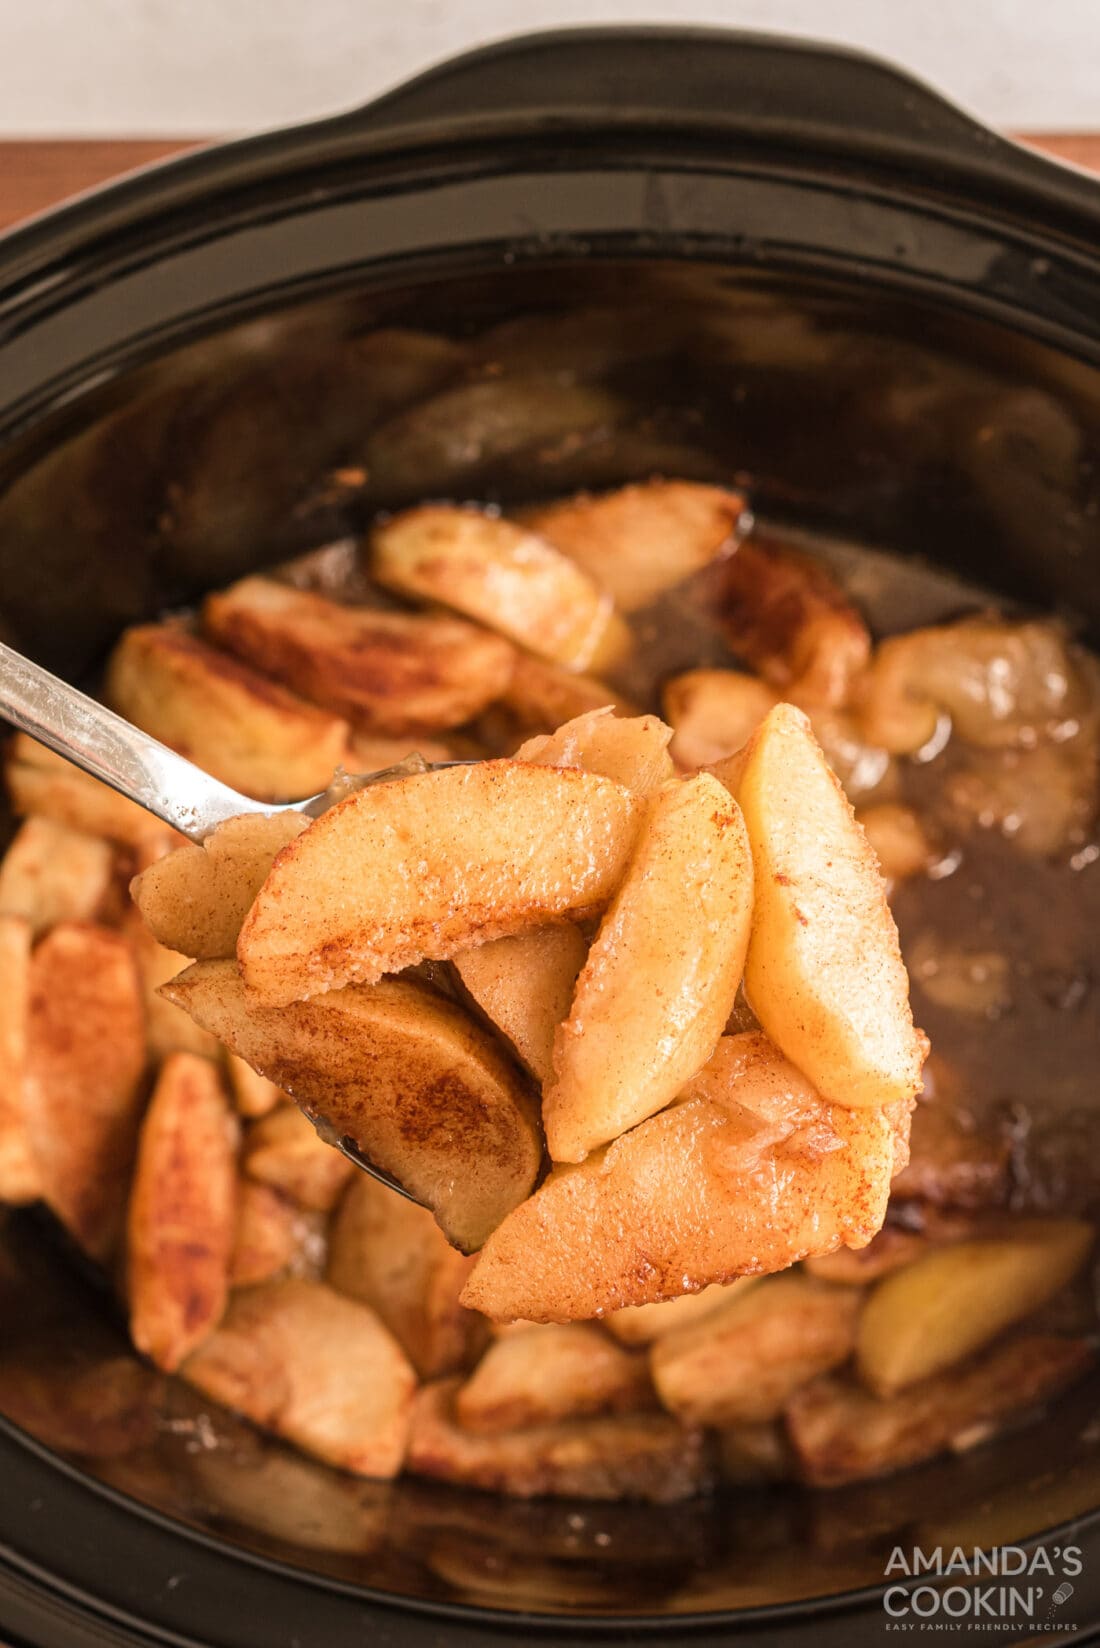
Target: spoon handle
(111,749)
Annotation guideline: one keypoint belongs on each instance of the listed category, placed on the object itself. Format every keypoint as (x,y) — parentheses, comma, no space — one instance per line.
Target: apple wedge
(43,784)
(51,874)
(85,1061)
(504,576)
(950,1302)
(388,672)
(841,1434)
(426,1095)
(235,724)
(195,899)
(284,1150)
(425,866)
(182,1212)
(631,749)
(749,1171)
(391,1255)
(538,1375)
(645,1456)
(642,540)
(714,712)
(662,974)
(524,986)
(742,1364)
(320,1370)
(541,695)
(787,618)
(274,1237)
(645,1324)
(824,973)
(19,1174)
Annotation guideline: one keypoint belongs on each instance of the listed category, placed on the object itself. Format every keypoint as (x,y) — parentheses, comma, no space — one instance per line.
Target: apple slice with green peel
(425,1094)
(426,866)
(662,974)
(748,1172)
(824,973)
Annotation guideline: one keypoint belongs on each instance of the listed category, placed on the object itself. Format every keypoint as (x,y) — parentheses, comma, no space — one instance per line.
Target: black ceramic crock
(751,257)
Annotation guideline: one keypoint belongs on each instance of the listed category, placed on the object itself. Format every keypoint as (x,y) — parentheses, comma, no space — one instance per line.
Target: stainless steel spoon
(167,785)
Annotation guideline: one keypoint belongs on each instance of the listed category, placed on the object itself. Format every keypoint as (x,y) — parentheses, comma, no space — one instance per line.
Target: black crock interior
(784,265)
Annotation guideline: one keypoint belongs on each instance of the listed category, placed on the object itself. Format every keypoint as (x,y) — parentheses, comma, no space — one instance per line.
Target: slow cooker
(787,264)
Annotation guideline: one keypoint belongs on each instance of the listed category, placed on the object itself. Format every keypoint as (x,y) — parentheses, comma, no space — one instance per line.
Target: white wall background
(151,67)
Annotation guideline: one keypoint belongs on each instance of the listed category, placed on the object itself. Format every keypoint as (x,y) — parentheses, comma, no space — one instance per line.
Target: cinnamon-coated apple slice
(662,974)
(824,973)
(425,866)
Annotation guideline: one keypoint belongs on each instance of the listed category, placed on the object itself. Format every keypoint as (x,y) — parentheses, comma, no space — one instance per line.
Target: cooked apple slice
(195,899)
(842,1434)
(388,672)
(748,1172)
(274,1237)
(254,1095)
(953,1300)
(524,986)
(167,1030)
(824,973)
(320,1370)
(425,1094)
(19,1175)
(51,873)
(391,1255)
(619,1456)
(644,1324)
(425,866)
(538,1375)
(504,576)
(182,1212)
(642,540)
(41,783)
(892,1249)
(85,1059)
(661,976)
(541,695)
(742,1363)
(1003,683)
(786,617)
(633,750)
(284,1150)
(714,712)
(237,725)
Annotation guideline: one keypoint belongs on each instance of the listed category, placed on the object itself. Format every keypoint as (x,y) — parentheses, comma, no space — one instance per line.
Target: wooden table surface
(34,175)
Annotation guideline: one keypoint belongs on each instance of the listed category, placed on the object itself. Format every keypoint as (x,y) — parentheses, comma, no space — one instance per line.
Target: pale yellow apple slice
(425,866)
(503,575)
(631,749)
(524,986)
(748,1172)
(426,1094)
(952,1301)
(824,973)
(641,540)
(662,974)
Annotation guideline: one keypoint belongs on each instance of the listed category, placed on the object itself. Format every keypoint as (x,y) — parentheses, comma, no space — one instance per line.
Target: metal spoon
(167,785)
